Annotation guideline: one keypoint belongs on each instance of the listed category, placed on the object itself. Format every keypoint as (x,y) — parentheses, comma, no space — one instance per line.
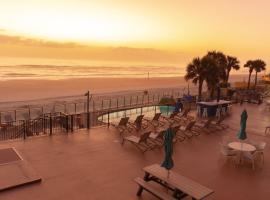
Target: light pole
(87,94)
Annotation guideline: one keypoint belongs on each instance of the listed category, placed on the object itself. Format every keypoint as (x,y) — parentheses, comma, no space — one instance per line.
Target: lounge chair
(217,124)
(155,120)
(137,124)
(139,141)
(172,118)
(184,114)
(157,137)
(122,125)
(203,125)
(186,131)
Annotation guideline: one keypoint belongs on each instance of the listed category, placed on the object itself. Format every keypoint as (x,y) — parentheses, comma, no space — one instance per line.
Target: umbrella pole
(168,175)
(241,152)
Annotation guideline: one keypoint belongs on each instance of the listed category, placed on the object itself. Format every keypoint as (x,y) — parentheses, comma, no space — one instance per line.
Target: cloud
(18,40)
(31,47)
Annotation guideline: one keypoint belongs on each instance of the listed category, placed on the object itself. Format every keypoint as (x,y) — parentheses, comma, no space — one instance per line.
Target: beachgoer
(178,106)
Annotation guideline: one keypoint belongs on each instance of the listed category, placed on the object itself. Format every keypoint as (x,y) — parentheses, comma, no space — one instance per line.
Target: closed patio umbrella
(168,147)
(242,135)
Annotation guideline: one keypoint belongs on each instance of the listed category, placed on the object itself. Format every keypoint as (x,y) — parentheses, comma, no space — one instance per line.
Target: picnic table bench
(180,185)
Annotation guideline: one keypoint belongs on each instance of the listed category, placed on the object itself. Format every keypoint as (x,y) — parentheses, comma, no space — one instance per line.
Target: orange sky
(146,29)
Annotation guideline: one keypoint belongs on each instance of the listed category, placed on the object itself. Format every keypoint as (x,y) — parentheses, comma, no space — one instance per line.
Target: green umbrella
(168,147)
(242,135)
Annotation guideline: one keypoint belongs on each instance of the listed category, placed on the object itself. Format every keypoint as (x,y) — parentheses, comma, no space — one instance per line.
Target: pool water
(148,112)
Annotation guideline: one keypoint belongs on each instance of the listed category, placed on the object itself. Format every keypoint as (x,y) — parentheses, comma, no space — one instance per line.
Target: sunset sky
(127,29)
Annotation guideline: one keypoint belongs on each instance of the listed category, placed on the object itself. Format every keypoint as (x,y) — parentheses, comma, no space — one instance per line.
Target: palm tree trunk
(212,90)
(200,90)
(249,80)
(255,80)
(228,75)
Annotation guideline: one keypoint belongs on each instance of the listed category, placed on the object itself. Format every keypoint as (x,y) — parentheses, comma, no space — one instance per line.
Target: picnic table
(180,185)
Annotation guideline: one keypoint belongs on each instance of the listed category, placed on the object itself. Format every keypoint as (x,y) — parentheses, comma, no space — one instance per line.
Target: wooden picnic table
(181,185)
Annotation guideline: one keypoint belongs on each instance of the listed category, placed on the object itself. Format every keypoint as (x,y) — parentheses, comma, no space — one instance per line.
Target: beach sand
(22,90)
(19,93)
(30,89)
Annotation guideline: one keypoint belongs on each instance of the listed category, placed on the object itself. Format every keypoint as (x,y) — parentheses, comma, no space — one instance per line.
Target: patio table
(212,106)
(241,146)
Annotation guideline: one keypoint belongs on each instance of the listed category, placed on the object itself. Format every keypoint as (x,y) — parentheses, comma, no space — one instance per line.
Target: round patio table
(241,146)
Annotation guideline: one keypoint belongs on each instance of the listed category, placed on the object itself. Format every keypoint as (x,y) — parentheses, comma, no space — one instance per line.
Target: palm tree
(196,71)
(250,65)
(221,63)
(259,65)
(232,63)
(200,70)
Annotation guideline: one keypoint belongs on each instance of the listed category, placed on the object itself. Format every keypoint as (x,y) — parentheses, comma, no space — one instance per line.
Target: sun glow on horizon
(181,26)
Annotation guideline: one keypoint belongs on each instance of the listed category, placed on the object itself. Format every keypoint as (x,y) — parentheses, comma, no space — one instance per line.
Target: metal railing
(64,118)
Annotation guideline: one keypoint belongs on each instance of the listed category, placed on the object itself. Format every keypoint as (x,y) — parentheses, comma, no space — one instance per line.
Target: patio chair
(252,157)
(266,130)
(137,124)
(186,131)
(260,149)
(139,141)
(227,152)
(122,125)
(227,139)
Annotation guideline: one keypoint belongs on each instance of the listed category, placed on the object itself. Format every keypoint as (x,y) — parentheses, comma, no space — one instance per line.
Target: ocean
(37,68)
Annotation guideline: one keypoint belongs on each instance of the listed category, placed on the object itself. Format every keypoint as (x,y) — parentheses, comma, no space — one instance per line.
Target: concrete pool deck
(93,164)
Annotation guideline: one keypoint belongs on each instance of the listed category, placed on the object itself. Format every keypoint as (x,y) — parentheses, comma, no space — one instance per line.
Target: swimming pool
(148,112)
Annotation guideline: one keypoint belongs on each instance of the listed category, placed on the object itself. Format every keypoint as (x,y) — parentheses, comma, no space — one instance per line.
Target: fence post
(137,100)
(29,112)
(71,122)
(50,124)
(148,99)
(75,108)
(130,100)
(15,115)
(66,118)
(117,103)
(124,101)
(24,129)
